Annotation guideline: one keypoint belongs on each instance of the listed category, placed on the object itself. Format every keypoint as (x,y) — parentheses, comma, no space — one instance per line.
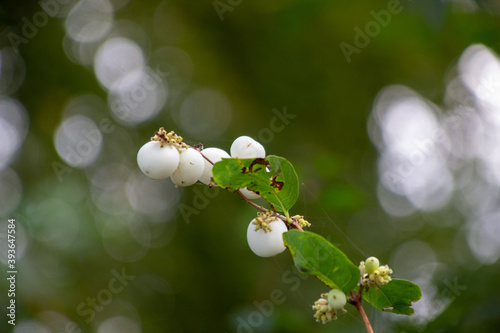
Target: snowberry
(157,160)
(215,155)
(191,165)
(371,264)
(246,147)
(337,299)
(249,194)
(265,242)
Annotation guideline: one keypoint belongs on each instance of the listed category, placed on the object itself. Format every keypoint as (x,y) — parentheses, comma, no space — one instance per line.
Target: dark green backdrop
(80,227)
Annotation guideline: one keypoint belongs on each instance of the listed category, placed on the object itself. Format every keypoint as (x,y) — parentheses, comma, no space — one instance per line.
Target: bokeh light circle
(30,326)
(138,96)
(205,113)
(483,235)
(414,260)
(119,324)
(156,200)
(115,59)
(89,20)
(13,129)
(78,141)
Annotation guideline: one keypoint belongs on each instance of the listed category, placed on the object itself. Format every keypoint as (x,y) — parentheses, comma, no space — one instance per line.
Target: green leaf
(395,297)
(316,256)
(273,177)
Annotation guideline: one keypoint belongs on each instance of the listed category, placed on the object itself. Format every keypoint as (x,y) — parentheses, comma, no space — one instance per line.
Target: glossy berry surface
(157,160)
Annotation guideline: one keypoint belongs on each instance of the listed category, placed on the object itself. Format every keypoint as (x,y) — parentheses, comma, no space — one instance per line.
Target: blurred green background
(395,142)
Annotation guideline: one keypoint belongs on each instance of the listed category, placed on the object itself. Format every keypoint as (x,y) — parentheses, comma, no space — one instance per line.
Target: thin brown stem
(251,202)
(366,321)
(296,225)
(356,299)
(208,160)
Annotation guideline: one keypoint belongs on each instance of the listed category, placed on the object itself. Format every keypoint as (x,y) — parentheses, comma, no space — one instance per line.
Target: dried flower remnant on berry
(169,138)
(263,221)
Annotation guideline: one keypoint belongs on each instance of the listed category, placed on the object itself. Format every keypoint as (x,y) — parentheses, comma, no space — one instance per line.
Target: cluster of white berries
(327,306)
(374,275)
(166,155)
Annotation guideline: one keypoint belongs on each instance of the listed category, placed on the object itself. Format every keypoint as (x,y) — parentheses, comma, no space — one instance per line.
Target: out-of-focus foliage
(395,142)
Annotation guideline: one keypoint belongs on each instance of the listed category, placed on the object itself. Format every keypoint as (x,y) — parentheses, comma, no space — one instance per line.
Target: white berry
(157,160)
(249,194)
(246,147)
(267,243)
(337,299)
(191,165)
(215,155)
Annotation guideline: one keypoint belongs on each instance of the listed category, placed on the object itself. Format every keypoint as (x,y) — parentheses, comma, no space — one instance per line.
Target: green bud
(371,264)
